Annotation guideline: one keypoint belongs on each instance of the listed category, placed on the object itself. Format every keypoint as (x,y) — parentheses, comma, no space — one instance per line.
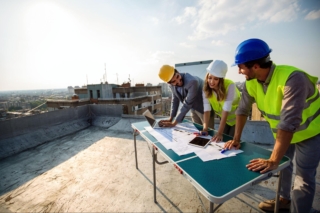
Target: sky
(49,44)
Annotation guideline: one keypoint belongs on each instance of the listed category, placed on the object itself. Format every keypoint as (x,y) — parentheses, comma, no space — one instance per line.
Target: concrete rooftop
(93,170)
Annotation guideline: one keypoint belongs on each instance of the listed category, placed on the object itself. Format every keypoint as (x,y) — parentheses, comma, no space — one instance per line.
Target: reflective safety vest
(270,103)
(217,105)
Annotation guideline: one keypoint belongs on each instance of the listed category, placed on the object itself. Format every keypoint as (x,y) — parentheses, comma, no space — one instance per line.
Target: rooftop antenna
(87,79)
(117,79)
(105,73)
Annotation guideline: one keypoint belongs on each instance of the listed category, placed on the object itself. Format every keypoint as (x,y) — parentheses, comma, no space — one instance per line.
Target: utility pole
(105,73)
(117,79)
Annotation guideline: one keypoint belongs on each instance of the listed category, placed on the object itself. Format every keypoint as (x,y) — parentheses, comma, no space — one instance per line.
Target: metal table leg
(211,207)
(154,174)
(135,133)
(276,207)
(154,161)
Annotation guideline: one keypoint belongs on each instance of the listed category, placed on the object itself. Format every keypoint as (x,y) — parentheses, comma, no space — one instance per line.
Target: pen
(223,151)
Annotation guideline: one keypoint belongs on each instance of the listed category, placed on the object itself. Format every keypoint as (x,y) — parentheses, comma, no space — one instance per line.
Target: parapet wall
(24,125)
(255,132)
(19,134)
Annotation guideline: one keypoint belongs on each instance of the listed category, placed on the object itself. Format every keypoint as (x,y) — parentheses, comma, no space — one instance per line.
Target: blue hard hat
(251,49)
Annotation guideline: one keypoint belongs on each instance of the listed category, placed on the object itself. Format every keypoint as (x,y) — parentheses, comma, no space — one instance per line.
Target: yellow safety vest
(270,103)
(217,105)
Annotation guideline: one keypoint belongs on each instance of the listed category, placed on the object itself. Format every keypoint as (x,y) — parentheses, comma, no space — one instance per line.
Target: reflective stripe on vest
(270,104)
(217,105)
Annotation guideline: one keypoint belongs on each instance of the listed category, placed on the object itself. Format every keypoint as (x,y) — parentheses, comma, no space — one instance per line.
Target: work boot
(268,205)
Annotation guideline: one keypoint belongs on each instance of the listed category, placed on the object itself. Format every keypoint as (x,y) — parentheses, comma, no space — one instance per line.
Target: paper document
(213,152)
(178,137)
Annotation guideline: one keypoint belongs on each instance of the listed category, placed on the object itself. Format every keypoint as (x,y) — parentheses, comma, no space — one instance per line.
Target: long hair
(221,92)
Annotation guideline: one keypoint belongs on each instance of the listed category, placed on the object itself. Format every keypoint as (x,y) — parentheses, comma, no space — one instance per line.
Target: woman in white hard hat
(223,96)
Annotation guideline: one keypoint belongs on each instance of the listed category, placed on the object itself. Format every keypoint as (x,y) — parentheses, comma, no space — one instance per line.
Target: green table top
(218,180)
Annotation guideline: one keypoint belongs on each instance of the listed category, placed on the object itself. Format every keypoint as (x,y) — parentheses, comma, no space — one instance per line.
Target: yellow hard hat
(166,73)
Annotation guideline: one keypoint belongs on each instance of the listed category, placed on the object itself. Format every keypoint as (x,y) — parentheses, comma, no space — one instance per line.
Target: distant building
(4,104)
(166,106)
(70,90)
(165,90)
(135,100)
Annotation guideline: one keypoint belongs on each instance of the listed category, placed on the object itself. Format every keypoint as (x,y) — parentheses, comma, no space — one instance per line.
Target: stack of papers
(213,152)
(178,137)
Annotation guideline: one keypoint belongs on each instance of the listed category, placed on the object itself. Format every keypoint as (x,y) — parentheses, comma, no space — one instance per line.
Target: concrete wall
(256,132)
(17,135)
(20,126)
(104,115)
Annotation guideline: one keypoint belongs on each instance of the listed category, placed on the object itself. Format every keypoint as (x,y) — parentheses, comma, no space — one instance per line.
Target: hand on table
(217,138)
(165,123)
(232,143)
(262,165)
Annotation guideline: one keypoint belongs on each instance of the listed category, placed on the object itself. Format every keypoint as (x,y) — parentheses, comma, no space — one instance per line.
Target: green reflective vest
(270,103)
(217,105)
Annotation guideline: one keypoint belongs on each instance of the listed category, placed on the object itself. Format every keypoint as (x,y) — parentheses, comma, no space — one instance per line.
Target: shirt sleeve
(297,89)
(206,103)
(174,103)
(245,103)
(230,98)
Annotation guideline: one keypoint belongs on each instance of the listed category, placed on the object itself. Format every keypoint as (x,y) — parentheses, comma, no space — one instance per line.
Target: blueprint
(178,137)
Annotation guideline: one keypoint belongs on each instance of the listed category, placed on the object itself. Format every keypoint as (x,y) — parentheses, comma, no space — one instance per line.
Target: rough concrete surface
(93,170)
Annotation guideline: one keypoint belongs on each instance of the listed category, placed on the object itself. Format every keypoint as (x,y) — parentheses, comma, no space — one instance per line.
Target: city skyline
(56,44)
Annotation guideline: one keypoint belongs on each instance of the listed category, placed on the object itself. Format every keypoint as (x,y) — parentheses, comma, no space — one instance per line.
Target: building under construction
(134,100)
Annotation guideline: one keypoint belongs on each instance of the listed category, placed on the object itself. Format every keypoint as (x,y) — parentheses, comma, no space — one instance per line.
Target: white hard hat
(218,68)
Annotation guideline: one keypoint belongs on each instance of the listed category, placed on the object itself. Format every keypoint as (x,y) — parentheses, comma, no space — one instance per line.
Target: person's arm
(227,106)
(218,137)
(174,103)
(242,113)
(174,108)
(206,114)
(240,122)
(206,118)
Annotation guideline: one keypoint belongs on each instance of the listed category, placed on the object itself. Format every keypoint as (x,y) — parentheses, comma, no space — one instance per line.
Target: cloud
(158,56)
(315,14)
(184,44)
(219,43)
(188,13)
(219,17)
(155,20)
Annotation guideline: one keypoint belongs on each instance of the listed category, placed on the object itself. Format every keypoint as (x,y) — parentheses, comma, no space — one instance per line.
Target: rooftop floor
(93,170)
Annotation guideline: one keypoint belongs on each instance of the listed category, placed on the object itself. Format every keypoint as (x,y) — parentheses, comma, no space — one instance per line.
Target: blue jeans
(307,156)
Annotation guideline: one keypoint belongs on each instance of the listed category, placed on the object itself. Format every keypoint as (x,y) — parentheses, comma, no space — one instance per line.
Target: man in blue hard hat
(289,101)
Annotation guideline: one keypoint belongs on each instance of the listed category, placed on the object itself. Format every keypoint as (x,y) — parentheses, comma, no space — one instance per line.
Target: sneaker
(268,205)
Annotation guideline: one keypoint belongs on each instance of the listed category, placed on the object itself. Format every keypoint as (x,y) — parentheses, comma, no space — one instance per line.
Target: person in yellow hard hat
(223,96)
(289,101)
(186,89)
